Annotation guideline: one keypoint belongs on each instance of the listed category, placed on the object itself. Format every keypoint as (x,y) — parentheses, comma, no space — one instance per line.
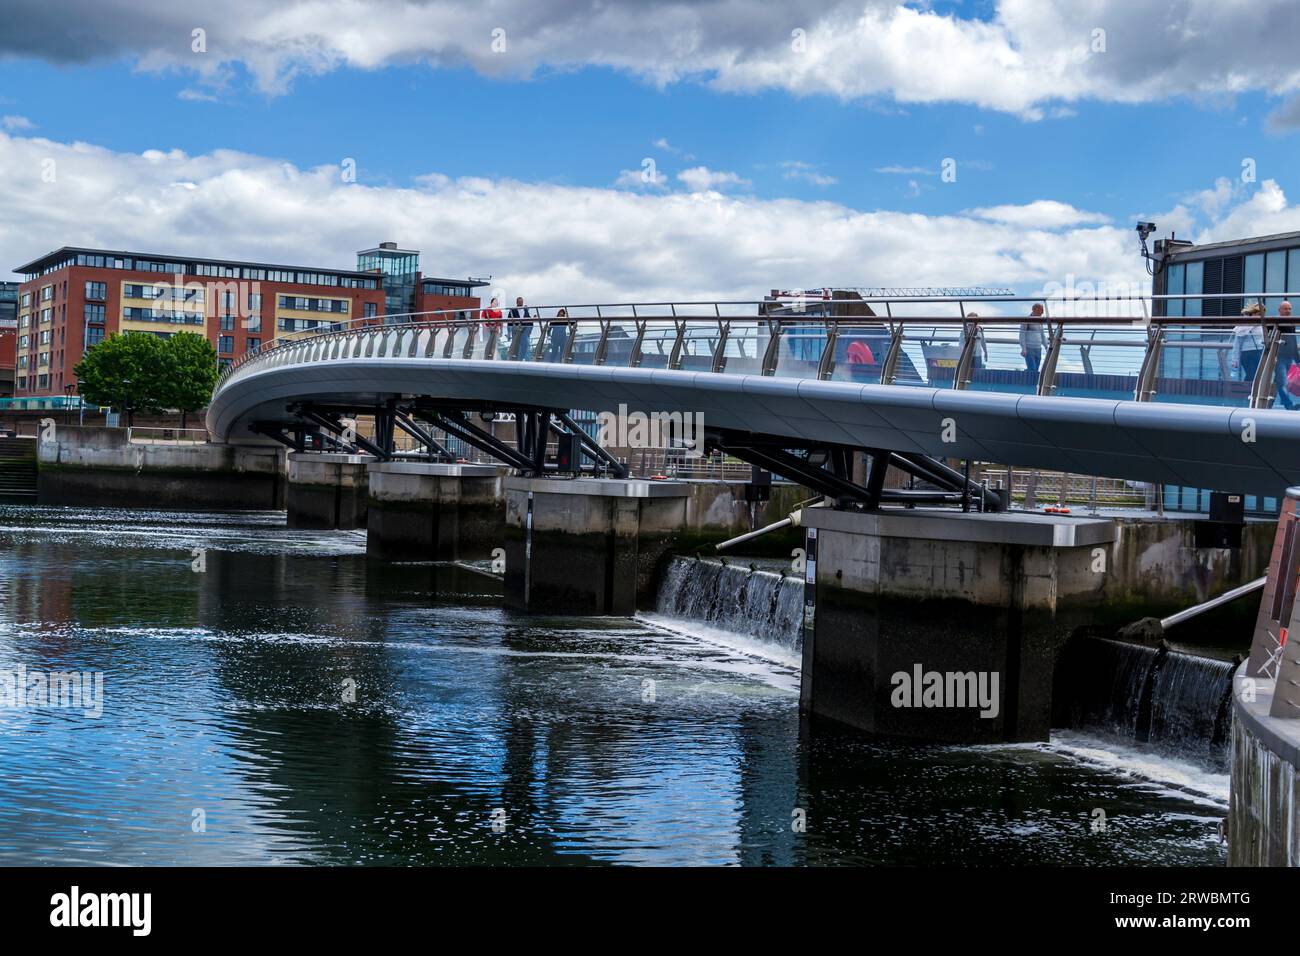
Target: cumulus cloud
(1031,57)
(703,179)
(555,242)
(799,170)
(16,123)
(899,170)
(1040,214)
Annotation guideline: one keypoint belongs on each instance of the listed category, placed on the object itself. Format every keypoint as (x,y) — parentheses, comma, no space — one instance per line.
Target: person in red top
(491,316)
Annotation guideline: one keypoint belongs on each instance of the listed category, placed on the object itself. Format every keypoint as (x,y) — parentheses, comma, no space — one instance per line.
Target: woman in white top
(1247,345)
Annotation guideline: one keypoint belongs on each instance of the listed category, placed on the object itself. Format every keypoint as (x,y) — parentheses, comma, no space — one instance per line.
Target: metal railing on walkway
(1112,347)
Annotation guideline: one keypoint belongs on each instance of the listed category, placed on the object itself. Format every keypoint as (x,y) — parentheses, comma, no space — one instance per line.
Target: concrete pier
(89,466)
(942,625)
(327,490)
(587,546)
(428,512)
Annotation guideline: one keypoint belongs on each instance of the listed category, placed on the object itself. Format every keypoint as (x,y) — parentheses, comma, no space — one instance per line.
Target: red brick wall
(68,325)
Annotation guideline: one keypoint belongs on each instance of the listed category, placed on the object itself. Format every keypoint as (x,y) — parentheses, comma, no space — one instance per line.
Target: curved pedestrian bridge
(1095,386)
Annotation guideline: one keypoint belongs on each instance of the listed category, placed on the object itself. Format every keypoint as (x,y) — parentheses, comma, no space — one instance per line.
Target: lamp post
(126,400)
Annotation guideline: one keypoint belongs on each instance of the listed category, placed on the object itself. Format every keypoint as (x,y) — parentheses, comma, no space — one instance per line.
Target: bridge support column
(942,625)
(587,545)
(327,490)
(430,512)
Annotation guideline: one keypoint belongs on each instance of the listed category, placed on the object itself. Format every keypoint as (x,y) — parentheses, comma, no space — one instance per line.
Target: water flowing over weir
(761,605)
(1178,702)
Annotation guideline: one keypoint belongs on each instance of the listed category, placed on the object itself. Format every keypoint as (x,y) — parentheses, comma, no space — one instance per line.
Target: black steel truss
(829,470)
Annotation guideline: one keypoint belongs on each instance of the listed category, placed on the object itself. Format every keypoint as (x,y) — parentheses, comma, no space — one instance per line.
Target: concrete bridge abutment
(944,626)
(587,546)
(327,490)
(421,511)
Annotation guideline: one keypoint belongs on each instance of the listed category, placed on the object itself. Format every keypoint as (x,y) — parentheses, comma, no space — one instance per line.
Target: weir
(761,605)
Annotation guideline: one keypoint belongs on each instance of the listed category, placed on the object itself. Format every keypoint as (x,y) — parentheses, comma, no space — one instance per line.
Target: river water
(270,697)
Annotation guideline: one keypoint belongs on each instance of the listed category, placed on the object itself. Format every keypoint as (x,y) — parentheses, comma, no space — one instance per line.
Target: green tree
(190,373)
(124,371)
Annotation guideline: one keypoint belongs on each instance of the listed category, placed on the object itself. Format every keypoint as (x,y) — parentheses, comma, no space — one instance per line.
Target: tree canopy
(137,371)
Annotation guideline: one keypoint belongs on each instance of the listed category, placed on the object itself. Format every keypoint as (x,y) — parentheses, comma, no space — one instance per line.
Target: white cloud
(703,179)
(1031,57)
(663,144)
(1040,214)
(557,243)
(798,170)
(897,170)
(16,123)
(647,177)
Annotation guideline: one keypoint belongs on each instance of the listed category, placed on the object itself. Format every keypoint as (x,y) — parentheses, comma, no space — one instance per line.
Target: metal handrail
(719,331)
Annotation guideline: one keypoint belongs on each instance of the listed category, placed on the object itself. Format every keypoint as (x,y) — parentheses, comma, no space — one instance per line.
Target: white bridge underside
(1254,451)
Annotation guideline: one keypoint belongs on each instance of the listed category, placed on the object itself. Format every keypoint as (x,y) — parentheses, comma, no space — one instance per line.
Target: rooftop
(1279,240)
(36,266)
(471,283)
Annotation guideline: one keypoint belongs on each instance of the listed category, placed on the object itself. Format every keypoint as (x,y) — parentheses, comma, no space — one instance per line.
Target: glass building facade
(1264,269)
(398,269)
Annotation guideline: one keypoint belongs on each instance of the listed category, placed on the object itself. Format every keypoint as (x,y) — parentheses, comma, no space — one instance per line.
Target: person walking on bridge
(1286,373)
(1247,344)
(561,329)
(491,321)
(520,331)
(1033,339)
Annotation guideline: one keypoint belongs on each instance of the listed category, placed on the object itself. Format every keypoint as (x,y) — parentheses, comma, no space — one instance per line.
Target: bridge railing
(1136,347)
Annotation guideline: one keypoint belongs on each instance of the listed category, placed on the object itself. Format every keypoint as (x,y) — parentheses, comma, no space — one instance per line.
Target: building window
(96,291)
(227,323)
(93,313)
(254,346)
(253,323)
(226,344)
(371,310)
(303,304)
(94,335)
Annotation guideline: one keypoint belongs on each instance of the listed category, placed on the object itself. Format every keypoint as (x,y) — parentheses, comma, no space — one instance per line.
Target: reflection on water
(591,741)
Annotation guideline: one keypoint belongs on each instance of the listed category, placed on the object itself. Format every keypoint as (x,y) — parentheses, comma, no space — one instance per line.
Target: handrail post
(826,366)
(634,359)
(1263,388)
(675,359)
(1149,373)
(603,344)
(966,360)
(772,354)
(889,371)
(720,353)
(1047,373)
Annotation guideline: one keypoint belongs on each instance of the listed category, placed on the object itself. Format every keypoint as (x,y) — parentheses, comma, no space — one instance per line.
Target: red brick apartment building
(72,298)
(8,336)
(441,295)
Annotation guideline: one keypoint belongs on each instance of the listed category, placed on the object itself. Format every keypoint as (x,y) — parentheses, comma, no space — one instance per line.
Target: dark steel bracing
(533,430)
(829,470)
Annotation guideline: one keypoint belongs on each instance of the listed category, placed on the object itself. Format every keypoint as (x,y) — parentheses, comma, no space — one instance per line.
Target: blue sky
(583,127)
(845,136)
